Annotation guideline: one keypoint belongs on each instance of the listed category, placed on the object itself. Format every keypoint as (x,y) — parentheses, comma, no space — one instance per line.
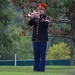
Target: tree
(25,48)
(59,51)
(53,7)
(6,16)
(9,37)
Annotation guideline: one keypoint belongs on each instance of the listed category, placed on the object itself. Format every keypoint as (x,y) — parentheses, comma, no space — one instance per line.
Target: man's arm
(31,22)
(46,21)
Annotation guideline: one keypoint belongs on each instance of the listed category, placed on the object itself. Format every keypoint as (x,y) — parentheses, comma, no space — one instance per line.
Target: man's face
(41,10)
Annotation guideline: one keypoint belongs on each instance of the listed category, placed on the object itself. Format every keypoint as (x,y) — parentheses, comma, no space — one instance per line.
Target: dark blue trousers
(39,55)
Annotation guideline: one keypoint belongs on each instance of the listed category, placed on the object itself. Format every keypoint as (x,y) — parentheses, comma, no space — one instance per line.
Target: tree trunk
(71,53)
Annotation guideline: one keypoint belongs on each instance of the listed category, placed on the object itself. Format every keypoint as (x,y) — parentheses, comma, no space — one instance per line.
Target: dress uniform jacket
(40,28)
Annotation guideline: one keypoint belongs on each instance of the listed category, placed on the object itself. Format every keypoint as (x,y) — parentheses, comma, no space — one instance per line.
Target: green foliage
(22,43)
(66,28)
(58,51)
(9,31)
(6,17)
(25,48)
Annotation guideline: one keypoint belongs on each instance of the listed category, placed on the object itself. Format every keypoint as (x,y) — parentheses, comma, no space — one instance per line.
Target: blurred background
(15,34)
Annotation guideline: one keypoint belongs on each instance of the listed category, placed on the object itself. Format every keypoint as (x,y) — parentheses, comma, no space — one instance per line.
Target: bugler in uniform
(39,37)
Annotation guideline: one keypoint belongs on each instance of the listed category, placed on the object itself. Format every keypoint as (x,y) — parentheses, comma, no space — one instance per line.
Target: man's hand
(35,14)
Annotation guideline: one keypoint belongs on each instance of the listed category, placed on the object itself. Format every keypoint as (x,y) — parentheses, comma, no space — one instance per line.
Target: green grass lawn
(28,70)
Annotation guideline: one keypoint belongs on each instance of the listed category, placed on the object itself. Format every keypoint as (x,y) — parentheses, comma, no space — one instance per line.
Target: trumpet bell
(29,15)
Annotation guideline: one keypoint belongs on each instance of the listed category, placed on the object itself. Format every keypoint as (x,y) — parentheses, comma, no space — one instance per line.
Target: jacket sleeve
(31,22)
(46,22)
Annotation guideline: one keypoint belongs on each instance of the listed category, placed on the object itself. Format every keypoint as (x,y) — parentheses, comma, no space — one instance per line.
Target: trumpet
(30,14)
(33,13)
